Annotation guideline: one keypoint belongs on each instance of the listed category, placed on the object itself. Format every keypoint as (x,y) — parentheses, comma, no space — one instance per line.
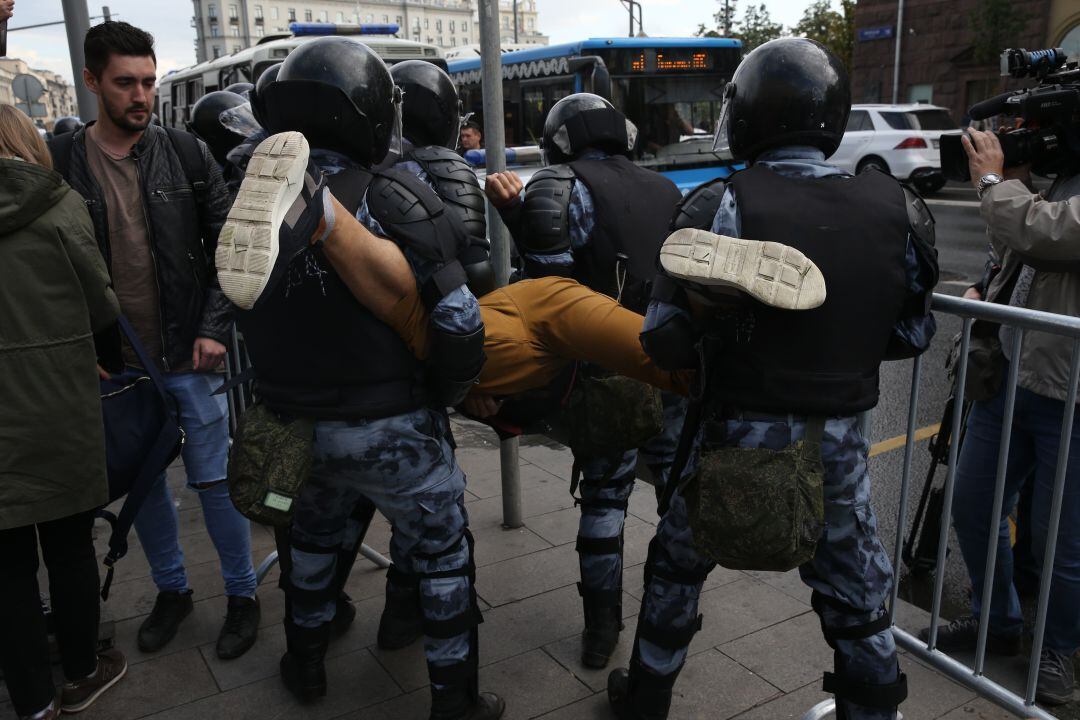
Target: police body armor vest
(633,207)
(456,184)
(318,352)
(823,361)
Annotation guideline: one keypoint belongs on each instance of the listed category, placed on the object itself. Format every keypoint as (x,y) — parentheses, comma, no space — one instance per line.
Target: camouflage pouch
(610,414)
(269,463)
(759,509)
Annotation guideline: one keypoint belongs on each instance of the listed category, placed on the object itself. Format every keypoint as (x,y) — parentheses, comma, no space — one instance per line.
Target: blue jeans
(205,420)
(1036,433)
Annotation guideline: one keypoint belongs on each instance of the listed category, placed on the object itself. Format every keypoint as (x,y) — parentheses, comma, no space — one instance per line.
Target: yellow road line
(901,440)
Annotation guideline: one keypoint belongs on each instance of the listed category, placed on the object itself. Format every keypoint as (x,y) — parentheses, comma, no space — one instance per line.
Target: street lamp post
(896,61)
(77,22)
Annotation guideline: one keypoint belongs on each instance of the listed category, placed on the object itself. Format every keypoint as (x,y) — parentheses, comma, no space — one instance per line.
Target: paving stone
(531,684)
(494,543)
(415,705)
(634,578)
(712,686)
(594,707)
(408,666)
(556,459)
(930,694)
(643,503)
(788,583)
(354,681)
(740,608)
(567,652)
(561,527)
(768,652)
(538,499)
(165,682)
(977,710)
(789,707)
(523,577)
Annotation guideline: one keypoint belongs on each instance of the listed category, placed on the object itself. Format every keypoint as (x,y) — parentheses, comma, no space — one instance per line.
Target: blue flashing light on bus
(301,29)
(514,156)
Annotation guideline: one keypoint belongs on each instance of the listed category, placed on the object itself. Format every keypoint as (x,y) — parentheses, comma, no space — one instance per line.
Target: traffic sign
(876,33)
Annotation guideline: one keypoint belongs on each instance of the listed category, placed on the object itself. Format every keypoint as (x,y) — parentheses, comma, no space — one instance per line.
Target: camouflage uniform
(406,467)
(850,574)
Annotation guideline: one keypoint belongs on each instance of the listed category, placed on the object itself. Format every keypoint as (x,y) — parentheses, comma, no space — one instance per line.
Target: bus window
(667,110)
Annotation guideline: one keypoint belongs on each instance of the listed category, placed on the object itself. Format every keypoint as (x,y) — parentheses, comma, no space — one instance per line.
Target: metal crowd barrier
(974,678)
(239,397)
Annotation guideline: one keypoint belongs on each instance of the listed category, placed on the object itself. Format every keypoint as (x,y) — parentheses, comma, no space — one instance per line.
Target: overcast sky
(170,22)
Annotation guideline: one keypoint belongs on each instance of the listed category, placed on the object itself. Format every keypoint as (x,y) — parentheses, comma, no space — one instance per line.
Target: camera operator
(1037,239)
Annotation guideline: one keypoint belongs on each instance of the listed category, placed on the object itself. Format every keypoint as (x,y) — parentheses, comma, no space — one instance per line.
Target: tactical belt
(599,545)
(819,600)
(667,637)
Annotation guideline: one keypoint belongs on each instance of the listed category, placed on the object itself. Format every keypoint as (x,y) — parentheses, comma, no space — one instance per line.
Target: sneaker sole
(248,243)
(778,275)
(72,709)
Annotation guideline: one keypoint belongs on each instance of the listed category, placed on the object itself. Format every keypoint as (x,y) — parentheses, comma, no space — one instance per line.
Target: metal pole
(1052,531)
(896,62)
(105,13)
(515,21)
(905,482)
(77,22)
(495,145)
(727,18)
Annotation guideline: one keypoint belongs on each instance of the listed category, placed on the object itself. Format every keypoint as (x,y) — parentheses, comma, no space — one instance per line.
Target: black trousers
(67,546)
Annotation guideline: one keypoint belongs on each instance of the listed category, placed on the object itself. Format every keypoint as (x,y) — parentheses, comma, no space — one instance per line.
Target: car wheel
(929,186)
(873,162)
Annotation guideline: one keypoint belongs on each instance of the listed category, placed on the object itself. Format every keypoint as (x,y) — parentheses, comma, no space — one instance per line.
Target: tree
(758,27)
(997,25)
(725,18)
(834,30)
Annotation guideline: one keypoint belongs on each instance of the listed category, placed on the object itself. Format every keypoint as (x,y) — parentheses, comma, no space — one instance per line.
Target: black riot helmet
(268,76)
(339,94)
(430,109)
(789,91)
(206,122)
(584,120)
(66,124)
(240,88)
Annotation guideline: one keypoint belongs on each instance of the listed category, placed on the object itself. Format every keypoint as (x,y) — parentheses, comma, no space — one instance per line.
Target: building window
(211,10)
(398,20)
(292,14)
(1071,42)
(425,23)
(215,31)
(921,94)
(323,17)
(532,24)
(235,32)
(259,31)
(307,16)
(453,42)
(386,18)
(232,12)
(369,18)
(273,13)
(464,26)
(217,52)
(440,41)
(506,22)
(258,12)
(438,26)
(452,23)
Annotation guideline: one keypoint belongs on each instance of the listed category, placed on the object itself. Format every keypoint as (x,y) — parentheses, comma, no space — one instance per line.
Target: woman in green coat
(54,293)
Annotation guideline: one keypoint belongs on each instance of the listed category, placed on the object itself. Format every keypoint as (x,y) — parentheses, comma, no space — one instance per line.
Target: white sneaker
(778,275)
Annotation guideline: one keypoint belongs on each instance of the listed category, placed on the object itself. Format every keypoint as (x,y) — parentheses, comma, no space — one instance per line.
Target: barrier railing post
(905,481)
(1055,520)
(986,598)
(950,480)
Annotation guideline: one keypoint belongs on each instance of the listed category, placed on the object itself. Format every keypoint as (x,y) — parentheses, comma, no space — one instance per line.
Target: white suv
(899,139)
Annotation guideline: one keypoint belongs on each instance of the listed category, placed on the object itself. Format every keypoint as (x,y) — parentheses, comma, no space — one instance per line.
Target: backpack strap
(60,147)
(187,149)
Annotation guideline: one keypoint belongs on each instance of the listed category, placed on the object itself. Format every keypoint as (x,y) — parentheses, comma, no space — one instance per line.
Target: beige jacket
(1046,232)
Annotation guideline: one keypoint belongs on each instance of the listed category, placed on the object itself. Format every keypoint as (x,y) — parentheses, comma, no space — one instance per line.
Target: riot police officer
(222,119)
(380,433)
(66,124)
(431,116)
(779,377)
(594,215)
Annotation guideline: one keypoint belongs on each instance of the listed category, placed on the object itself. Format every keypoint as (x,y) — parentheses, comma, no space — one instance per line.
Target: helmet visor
(722,138)
(394,151)
(239,120)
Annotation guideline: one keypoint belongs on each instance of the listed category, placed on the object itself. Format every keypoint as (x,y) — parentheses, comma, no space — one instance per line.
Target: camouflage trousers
(605,491)
(850,573)
(404,465)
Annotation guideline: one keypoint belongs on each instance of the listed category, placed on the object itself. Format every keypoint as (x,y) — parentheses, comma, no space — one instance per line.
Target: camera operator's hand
(984,153)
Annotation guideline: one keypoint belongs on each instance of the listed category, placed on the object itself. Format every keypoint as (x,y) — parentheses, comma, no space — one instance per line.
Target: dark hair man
(158,202)
(472,137)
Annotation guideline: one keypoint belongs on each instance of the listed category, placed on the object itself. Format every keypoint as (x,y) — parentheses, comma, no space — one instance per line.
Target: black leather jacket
(183,232)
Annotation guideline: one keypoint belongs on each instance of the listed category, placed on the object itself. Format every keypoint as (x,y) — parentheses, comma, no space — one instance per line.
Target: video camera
(1050,136)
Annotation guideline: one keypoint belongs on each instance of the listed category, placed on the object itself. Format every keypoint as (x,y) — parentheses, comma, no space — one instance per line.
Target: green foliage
(835,30)
(758,27)
(997,24)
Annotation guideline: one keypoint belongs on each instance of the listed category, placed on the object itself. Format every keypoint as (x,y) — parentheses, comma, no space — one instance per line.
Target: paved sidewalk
(759,655)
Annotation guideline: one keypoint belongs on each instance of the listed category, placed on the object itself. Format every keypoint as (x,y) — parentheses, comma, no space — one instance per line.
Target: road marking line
(901,440)
(953,203)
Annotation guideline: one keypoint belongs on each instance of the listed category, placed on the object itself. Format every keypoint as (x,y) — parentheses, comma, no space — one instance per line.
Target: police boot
(344,615)
(302,667)
(461,703)
(402,621)
(637,694)
(603,621)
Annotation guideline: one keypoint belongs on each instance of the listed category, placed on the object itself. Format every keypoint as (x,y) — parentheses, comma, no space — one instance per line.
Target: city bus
(179,90)
(670,88)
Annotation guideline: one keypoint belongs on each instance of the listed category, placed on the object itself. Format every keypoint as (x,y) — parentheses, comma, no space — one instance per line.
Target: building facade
(939,63)
(223,27)
(528,23)
(57,100)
